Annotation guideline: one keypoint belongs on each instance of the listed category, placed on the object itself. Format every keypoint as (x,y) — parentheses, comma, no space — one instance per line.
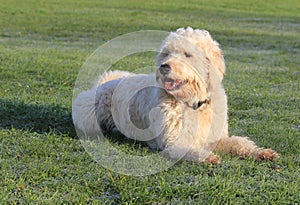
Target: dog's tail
(84,113)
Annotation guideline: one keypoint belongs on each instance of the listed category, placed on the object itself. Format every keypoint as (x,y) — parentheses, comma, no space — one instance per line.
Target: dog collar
(200,103)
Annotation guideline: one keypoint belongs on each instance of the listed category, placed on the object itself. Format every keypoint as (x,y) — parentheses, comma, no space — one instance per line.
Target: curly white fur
(181,109)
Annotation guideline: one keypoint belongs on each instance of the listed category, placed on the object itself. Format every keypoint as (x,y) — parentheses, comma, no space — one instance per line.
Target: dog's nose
(164,69)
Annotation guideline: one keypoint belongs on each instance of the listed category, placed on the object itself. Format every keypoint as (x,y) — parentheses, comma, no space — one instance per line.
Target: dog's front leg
(244,148)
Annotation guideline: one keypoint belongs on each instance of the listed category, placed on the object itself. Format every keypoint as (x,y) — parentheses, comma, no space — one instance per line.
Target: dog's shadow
(49,118)
(36,118)
(118,140)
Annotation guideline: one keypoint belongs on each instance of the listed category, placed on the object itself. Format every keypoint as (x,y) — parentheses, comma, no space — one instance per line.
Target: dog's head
(190,65)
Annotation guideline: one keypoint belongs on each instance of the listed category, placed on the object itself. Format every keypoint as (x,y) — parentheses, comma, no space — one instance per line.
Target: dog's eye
(188,55)
(164,54)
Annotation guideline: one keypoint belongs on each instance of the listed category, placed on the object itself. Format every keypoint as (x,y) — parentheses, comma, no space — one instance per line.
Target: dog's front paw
(266,154)
(213,159)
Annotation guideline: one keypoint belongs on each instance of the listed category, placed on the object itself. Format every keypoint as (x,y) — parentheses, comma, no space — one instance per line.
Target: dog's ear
(216,59)
(212,52)
(209,47)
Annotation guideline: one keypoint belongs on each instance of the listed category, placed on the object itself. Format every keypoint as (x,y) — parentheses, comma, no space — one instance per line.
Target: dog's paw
(213,159)
(266,154)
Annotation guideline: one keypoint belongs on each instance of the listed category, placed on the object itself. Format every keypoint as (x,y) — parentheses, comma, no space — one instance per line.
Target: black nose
(164,69)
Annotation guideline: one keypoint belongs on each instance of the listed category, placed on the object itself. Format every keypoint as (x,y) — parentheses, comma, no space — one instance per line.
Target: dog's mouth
(173,84)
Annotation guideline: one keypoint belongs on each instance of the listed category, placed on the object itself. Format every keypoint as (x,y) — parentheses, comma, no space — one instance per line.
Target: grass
(42,47)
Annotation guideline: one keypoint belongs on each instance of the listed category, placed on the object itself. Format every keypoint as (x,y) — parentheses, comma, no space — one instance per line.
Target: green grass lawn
(43,44)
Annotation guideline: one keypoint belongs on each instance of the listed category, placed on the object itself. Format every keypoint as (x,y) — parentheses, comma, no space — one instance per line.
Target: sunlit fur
(189,122)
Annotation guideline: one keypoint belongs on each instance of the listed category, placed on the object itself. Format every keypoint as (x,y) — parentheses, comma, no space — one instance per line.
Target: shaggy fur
(181,109)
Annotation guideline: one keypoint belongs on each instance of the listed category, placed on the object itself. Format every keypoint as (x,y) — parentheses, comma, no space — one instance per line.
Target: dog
(181,109)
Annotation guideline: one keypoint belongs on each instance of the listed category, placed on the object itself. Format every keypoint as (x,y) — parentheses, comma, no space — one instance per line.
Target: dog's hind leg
(91,110)
(244,147)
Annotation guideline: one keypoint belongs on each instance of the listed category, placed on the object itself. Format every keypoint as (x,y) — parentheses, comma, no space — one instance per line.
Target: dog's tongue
(170,85)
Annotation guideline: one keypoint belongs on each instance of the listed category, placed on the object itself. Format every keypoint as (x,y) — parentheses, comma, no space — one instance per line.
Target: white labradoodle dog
(181,109)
